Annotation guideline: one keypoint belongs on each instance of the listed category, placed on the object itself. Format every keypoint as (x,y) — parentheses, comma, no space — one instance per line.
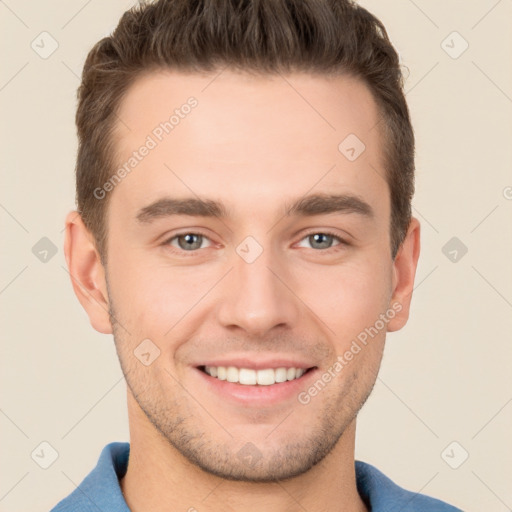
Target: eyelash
(342,242)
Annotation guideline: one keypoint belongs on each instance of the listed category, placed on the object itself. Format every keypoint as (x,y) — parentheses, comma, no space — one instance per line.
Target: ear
(87,272)
(404,270)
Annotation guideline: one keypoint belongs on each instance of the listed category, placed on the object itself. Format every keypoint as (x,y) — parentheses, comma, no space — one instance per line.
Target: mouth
(255,377)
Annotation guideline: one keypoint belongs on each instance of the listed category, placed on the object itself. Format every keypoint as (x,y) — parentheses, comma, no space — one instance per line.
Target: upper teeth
(251,377)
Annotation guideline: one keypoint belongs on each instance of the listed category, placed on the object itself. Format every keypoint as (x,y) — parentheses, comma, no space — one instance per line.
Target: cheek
(349,298)
(152,298)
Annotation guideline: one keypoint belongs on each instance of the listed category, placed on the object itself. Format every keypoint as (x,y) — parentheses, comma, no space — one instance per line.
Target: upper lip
(260,363)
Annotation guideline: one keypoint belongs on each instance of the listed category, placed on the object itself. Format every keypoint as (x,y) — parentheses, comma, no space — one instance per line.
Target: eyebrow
(308,206)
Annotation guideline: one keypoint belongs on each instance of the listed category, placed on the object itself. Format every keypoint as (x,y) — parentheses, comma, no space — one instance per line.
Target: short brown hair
(263,36)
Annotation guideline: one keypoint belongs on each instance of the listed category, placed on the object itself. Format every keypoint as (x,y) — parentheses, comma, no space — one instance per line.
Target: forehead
(238,135)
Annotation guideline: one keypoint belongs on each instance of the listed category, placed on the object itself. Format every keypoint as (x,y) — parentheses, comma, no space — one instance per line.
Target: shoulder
(100,489)
(382,494)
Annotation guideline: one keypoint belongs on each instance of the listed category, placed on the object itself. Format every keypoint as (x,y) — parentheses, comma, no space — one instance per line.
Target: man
(244,230)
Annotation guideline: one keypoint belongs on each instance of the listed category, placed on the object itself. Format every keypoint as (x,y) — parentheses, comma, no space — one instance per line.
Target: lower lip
(258,395)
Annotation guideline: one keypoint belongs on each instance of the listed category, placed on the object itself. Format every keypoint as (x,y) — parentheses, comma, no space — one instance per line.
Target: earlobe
(404,271)
(87,272)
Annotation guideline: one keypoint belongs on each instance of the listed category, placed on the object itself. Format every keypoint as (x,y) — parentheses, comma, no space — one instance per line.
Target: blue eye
(188,242)
(191,242)
(323,240)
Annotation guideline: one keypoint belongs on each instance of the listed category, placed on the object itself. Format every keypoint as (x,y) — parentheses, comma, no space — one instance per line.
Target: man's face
(256,288)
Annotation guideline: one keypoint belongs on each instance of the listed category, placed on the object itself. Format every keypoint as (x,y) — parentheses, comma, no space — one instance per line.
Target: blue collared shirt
(100,490)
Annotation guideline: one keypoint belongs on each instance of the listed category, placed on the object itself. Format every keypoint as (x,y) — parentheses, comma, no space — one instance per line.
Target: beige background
(446,377)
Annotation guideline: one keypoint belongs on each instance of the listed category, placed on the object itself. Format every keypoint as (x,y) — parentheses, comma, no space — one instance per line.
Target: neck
(159,477)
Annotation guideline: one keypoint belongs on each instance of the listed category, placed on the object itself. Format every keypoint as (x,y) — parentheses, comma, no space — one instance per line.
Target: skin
(256,145)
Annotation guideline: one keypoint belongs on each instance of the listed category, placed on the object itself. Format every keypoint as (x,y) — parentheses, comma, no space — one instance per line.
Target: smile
(250,377)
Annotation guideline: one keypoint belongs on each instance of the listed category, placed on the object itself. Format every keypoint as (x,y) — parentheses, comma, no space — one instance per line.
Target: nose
(258,297)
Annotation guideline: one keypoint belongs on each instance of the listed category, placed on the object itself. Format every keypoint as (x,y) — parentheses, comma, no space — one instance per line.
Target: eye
(191,242)
(323,240)
(188,242)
